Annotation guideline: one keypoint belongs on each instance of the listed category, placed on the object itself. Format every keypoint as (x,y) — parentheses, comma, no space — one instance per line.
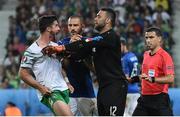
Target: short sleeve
(27,59)
(168,65)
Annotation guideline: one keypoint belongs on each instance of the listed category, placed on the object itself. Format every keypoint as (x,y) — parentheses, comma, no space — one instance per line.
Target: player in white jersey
(44,72)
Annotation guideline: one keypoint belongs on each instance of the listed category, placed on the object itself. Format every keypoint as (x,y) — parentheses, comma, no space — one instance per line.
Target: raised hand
(75,37)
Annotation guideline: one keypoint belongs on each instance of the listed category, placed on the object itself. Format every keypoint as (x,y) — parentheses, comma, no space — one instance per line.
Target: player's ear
(108,20)
(83,26)
(160,39)
(48,29)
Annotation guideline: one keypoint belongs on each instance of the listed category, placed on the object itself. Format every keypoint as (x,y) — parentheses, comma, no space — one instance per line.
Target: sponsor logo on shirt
(94,49)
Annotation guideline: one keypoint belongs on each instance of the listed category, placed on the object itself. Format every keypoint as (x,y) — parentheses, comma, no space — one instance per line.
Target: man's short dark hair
(111,14)
(11,104)
(46,21)
(156,30)
(77,16)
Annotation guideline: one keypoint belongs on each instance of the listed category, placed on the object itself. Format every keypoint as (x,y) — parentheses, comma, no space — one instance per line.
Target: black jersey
(106,55)
(106,59)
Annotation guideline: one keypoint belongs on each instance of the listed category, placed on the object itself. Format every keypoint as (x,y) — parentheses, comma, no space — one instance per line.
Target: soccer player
(112,91)
(157,74)
(130,68)
(43,72)
(82,101)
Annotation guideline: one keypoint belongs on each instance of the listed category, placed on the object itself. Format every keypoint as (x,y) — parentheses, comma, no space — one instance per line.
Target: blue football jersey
(130,68)
(79,76)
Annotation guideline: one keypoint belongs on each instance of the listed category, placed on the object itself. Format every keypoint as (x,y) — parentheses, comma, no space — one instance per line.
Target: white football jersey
(47,70)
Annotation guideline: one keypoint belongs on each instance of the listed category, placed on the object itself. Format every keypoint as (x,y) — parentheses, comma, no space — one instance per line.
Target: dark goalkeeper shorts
(111,99)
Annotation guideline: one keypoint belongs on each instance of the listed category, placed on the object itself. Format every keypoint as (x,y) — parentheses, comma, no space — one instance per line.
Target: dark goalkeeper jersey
(106,56)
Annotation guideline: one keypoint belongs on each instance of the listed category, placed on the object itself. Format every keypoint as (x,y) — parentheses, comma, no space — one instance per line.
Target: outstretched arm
(75,46)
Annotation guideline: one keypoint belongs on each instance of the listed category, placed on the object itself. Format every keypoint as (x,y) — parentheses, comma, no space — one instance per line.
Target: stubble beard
(99,27)
(52,35)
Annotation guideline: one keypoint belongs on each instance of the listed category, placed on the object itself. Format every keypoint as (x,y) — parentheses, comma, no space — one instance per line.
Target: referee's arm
(168,79)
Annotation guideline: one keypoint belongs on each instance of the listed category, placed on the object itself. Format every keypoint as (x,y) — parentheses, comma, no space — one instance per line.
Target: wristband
(153,79)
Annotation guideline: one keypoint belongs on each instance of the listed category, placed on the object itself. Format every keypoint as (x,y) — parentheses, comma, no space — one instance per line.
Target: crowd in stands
(133,16)
(1,3)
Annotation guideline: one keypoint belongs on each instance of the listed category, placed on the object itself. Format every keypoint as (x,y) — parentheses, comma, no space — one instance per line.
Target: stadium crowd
(133,16)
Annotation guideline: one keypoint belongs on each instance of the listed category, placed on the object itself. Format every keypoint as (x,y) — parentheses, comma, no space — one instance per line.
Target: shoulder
(33,51)
(110,32)
(164,54)
(131,56)
(33,48)
(113,37)
(126,57)
(146,53)
(114,34)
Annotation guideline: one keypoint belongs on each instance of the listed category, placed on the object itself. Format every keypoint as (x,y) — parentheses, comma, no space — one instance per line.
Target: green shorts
(56,95)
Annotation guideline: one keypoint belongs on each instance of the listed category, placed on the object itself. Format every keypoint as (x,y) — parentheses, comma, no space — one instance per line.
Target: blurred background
(18,29)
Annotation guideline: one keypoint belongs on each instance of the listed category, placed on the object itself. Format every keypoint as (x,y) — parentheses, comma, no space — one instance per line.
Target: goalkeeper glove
(49,50)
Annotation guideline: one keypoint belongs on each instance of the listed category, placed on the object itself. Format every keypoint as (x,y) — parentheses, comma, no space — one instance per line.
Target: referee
(112,91)
(157,74)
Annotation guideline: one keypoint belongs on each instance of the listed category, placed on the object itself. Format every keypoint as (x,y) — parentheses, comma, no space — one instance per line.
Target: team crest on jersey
(94,49)
(151,72)
(24,59)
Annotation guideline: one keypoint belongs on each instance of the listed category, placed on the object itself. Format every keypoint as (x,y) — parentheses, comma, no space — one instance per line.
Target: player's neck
(155,50)
(43,40)
(126,50)
(105,29)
